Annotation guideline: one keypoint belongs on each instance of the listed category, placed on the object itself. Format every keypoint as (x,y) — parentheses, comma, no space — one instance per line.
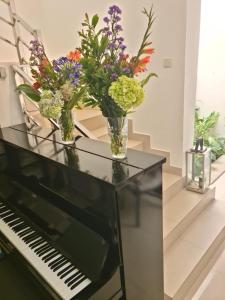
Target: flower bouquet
(57,89)
(110,72)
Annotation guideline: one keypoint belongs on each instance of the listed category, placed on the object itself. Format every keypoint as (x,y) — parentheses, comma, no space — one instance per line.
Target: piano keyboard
(61,275)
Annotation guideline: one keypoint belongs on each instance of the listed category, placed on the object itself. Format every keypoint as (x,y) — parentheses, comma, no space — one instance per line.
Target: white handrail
(25,25)
(7,41)
(5,1)
(6,21)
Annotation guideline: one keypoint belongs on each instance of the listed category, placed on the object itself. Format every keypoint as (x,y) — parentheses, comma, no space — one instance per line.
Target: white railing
(15,22)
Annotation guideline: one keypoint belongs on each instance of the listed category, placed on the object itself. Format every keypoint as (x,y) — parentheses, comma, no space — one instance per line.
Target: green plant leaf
(146,80)
(94,20)
(29,91)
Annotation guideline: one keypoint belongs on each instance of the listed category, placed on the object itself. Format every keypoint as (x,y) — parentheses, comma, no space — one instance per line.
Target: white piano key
(54,281)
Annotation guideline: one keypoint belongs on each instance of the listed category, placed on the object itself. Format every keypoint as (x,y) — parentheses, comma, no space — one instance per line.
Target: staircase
(194,237)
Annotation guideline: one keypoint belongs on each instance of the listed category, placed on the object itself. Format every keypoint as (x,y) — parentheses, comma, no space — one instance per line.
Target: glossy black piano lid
(86,162)
(134,158)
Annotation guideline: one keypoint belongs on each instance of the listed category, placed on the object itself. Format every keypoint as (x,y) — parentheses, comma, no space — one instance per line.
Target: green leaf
(29,91)
(146,80)
(94,21)
(103,44)
(76,98)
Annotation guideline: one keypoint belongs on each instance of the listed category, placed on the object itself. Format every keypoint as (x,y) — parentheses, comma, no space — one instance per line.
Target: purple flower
(118,27)
(37,50)
(114,76)
(126,70)
(106,20)
(109,33)
(122,47)
(120,39)
(112,46)
(114,10)
(117,18)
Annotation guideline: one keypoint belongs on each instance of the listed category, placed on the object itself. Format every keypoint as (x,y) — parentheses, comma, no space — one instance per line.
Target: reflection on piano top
(89,156)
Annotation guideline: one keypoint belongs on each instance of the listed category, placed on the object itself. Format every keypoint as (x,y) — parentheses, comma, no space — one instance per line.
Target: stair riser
(211,254)
(174,189)
(204,273)
(190,218)
(94,122)
(139,147)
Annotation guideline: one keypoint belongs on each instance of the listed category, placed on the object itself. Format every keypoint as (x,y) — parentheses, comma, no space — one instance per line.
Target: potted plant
(110,73)
(57,88)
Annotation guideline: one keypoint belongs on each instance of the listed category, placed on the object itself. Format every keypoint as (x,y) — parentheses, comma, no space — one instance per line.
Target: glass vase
(66,125)
(118,132)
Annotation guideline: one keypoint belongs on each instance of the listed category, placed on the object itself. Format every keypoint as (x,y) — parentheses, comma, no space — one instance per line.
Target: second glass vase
(118,132)
(67,127)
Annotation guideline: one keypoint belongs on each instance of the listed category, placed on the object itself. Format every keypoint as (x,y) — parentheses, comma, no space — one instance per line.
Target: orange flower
(36,85)
(148,51)
(74,55)
(141,65)
(44,62)
(144,60)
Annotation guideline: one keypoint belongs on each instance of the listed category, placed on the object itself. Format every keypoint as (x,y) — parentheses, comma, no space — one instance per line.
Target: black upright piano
(75,223)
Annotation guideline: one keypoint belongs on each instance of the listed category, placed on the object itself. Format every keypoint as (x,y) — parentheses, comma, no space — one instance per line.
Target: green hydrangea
(126,92)
(51,104)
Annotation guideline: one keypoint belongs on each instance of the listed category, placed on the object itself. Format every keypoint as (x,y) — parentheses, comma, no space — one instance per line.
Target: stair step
(189,256)
(172,184)
(181,211)
(134,144)
(83,114)
(100,132)
(213,285)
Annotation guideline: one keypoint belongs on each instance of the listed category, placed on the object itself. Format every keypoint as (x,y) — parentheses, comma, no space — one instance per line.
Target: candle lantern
(198,170)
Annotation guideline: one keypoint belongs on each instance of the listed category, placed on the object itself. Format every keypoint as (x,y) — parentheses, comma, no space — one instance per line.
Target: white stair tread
(100,132)
(186,253)
(213,286)
(169,179)
(179,207)
(84,114)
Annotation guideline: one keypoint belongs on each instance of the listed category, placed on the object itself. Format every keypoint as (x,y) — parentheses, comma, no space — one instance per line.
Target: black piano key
(10,215)
(31,237)
(66,271)
(9,219)
(25,232)
(77,278)
(14,223)
(39,249)
(71,277)
(55,261)
(19,227)
(25,236)
(5,214)
(45,251)
(77,283)
(65,261)
(2,210)
(50,255)
(38,242)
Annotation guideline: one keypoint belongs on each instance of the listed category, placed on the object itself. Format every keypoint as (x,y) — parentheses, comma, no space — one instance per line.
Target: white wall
(211,70)
(191,68)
